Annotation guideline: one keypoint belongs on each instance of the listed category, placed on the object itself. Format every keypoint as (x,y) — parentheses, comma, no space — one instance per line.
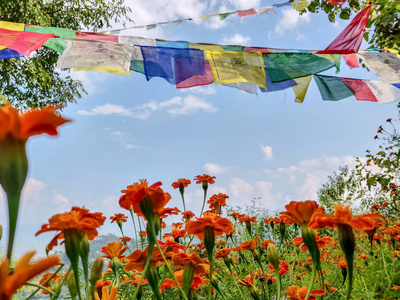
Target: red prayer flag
(361,89)
(262,50)
(96,36)
(351,60)
(349,40)
(337,2)
(23,42)
(206,78)
(247,12)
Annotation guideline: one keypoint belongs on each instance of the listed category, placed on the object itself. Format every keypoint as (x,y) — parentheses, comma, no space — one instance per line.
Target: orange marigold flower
(78,220)
(266,242)
(137,259)
(197,281)
(10,282)
(31,122)
(114,249)
(250,245)
(375,206)
(223,253)
(106,295)
(100,284)
(50,283)
(220,226)
(300,293)
(343,215)
(176,234)
(385,204)
(300,212)
(135,280)
(219,199)
(245,218)
(119,217)
(204,179)
(125,239)
(283,268)
(191,259)
(248,280)
(396,287)
(269,220)
(188,215)
(177,225)
(171,245)
(168,211)
(340,263)
(321,242)
(181,181)
(139,190)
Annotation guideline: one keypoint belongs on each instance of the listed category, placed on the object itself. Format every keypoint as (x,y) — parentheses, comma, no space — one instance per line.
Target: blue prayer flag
(174,65)
(9,53)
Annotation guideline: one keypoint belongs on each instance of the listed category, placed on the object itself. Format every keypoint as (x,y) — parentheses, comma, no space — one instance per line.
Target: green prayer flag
(57,44)
(332,88)
(225,15)
(233,48)
(137,66)
(285,66)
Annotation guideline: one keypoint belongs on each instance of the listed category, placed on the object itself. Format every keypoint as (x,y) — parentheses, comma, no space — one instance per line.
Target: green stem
(211,273)
(134,227)
(313,274)
(237,286)
(169,269)
(13,206)
(204,201)
(44,283)
(40,287)
(146,266)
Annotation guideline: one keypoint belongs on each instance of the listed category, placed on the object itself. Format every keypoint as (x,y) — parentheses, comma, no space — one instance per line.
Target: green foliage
(33,81)
(384,22)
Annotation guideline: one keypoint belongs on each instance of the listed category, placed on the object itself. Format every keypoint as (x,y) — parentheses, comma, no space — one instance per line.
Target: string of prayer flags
(360,88)
(384,92)
(225,15)
(265,10)
(57,44)
(23,42)
(385,65)
(231,67)
(349,40)
(174,65)
(92,55)
(96,36)
(285,66)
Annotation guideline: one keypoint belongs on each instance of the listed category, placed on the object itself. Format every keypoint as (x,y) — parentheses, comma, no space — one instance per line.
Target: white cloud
(176,106)
(124,139)
(267,151)
(269,199)
(241,190)
(32,187)
(236,39)
(214,169)
(60,199)
(200,90)
(291,20)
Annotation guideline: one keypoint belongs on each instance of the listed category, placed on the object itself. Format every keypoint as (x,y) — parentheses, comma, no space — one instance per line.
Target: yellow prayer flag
(328,56)
(111,70)
(230,67)
(301,5)
(206,17)
(393,51)
(11,26)
(301,88)
(205,47)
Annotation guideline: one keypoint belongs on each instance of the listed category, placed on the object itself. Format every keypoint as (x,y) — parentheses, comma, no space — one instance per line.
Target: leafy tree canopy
(33,81)
(383,29)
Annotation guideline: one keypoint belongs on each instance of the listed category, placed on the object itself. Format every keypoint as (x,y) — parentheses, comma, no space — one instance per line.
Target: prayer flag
(265,10)
(7,53)
(300,90)
(23,42)
(91,55)
(301,5)
(151,26)
(225,15)
(176,23)
(168,44)
(349,40)
(385,65)
(283,4)
(204,47)
(231,67)
(57,44)
(10,26)
(384,92)
(174,65)
(96,36)
(285,66)
(136,41)
(351,60)
(332,88)
(262,50)
(393,51)
(244,13)
(361,89)
(247,87)
(337,2)
(279,86)
(206,17)
(195,80)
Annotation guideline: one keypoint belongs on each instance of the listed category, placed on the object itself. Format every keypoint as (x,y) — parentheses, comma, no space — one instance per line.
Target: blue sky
(261,145)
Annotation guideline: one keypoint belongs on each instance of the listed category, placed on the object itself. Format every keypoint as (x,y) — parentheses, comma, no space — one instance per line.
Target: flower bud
(209,241)
(187,277)
(272,254)
(97,270)
(72,285)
